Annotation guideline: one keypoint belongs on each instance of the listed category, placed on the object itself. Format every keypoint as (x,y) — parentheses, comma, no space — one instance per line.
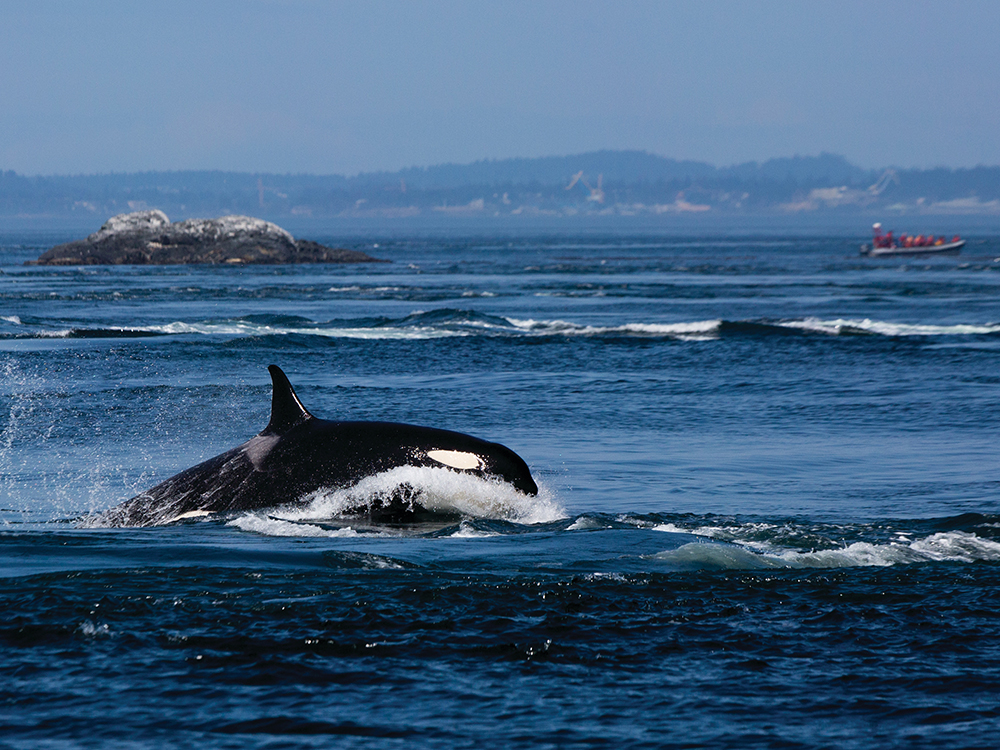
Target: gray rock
(149,238)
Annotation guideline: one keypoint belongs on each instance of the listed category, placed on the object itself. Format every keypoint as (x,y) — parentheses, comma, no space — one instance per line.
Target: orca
(297,454)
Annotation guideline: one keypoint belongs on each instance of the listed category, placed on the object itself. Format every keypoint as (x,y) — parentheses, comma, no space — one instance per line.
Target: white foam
(271,526)
(692,330)
(467,531)
(11,319)
(840,325)
(437,490)
(956,546)
(671,528)
(724,533)
(701,330)
(586,523)
(949,546)
(241,328)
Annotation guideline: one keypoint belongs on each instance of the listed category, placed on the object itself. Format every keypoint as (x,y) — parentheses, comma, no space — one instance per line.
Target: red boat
(905,244)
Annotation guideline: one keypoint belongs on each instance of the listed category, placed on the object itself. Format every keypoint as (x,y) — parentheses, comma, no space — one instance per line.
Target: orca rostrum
(298,454)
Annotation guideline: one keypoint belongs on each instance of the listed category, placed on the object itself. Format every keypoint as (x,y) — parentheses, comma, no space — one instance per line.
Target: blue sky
(342,87)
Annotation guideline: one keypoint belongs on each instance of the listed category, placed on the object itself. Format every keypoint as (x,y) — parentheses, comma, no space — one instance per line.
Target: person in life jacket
(881,240)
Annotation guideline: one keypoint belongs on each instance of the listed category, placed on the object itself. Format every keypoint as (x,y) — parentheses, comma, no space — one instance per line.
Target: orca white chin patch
(456,459)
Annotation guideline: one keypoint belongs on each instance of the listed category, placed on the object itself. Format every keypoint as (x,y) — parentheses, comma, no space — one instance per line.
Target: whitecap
(883,328)
(586,523)
(242,328)
(466,530)
(671,528)
(689,331)
(694,330)
(950,546)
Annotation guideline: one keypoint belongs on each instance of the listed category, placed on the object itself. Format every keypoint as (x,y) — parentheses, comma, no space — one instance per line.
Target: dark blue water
(769,511)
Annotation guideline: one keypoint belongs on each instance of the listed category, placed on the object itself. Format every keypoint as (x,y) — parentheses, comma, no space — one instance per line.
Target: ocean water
(769,512)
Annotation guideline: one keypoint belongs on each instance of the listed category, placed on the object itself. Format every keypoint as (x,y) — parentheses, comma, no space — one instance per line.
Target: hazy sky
(341,87)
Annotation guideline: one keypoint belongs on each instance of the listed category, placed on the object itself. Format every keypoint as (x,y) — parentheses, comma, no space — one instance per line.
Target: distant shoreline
(579,190)
(52,230)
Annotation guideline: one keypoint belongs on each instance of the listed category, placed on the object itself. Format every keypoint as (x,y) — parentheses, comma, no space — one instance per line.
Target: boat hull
(881,252)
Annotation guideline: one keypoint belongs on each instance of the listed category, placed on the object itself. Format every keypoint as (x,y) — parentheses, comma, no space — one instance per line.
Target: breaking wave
(759,546)
(841,326)
(447,322)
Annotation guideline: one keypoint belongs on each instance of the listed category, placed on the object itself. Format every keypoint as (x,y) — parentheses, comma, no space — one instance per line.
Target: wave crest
(448,322)
(947,546)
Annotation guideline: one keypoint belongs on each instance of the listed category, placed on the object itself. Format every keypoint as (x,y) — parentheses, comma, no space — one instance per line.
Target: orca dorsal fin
(286,409)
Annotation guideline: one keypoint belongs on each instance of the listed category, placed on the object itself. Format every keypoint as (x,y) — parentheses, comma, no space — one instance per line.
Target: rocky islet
(150,238)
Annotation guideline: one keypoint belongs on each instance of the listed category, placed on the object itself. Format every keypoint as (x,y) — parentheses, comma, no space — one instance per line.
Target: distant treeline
(601,182)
